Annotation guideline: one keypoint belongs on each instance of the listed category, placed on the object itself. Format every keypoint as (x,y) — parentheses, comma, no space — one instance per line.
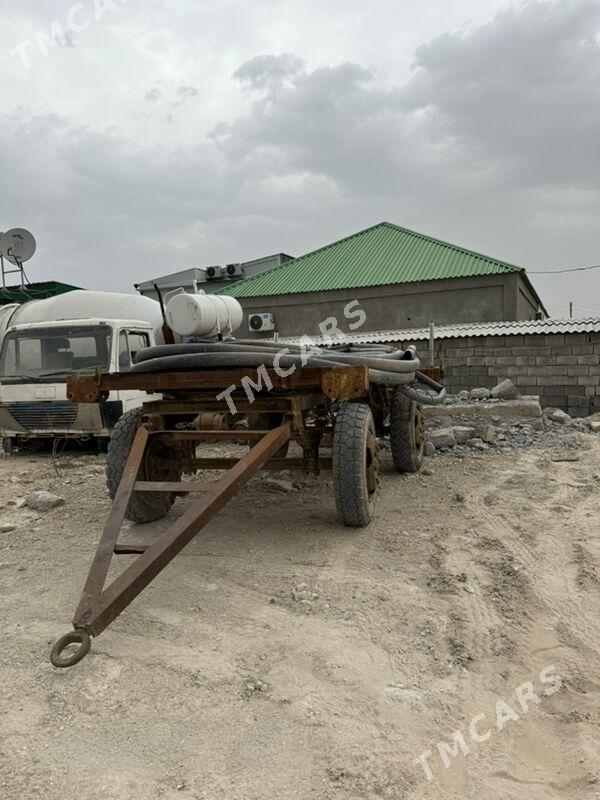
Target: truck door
(131,341)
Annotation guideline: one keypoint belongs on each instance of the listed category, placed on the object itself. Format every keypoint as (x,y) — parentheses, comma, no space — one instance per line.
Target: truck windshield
(47,354)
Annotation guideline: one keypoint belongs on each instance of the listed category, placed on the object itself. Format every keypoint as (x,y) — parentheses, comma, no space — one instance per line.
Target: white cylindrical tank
(203,315)
(82,304)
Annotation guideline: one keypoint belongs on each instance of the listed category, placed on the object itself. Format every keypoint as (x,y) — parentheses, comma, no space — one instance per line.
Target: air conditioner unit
(214,273)
(261,322)
(234,270)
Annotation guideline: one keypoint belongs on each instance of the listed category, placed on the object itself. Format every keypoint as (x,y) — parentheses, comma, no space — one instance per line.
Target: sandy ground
(284,656)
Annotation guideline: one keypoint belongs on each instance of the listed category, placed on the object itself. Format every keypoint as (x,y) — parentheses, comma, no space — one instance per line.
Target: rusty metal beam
(94,388)
(270,466)
(101,563)
(170,486)
(230,435)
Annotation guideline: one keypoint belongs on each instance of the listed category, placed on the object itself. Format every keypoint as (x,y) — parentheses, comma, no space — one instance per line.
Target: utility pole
(571,310)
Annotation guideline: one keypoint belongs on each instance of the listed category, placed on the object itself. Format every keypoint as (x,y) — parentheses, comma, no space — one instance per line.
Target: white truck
(45,341)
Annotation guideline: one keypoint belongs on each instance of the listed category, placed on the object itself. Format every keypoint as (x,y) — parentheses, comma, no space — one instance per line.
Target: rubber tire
(354,505)
(407,454)
(143,506)
(8,445)
(267,422)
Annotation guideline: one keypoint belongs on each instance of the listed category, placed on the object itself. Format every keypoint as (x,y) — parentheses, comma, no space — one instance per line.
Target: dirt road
(283,656)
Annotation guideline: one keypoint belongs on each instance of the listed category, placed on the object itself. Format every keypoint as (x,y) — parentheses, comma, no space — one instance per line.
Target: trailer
(155,451)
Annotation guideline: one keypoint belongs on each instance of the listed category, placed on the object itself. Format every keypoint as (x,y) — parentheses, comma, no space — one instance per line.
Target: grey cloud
(187,92)
(266,71)
(491,143)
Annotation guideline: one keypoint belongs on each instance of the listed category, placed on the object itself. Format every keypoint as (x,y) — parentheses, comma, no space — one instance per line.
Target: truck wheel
(266,422)
(355,464)
(143,506)
(8,445)
(406,433)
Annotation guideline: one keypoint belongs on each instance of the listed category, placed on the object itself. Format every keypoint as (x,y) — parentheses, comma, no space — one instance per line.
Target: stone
(566,456)
(429,449)
(424,471)
(505,390)
(480,393)
(558,415)
(43,501)
(442,437)
(278,485)
(478,444)
(487,433)
(7,528)
(595,427)
(302,594)
(463,433)
(463,395)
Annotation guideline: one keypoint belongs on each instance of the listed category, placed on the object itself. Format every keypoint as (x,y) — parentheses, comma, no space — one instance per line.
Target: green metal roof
(378,256)
(34,291)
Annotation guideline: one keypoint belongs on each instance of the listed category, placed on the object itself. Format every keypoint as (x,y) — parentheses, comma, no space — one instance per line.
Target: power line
(561,271)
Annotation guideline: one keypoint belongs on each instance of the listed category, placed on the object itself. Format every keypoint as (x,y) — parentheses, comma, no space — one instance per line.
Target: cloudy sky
(154,135)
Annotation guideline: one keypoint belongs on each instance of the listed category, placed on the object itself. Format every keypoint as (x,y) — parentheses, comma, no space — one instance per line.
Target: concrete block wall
(564,369)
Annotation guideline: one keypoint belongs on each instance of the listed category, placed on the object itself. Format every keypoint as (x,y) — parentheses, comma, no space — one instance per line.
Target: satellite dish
(17,245)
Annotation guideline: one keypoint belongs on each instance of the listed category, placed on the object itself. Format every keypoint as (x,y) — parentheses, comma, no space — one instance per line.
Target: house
(401,279)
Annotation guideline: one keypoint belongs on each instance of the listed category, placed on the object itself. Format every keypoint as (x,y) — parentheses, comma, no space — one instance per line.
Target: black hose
(386,364)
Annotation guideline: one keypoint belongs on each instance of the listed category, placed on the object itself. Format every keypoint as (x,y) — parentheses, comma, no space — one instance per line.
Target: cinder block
(566,359)
(524,361)
(554,338)
(506,360)
(590,360)
(587,380)
(594,370)
(562,350)
(580,369)
(578,400)
(558,400)
(583,349)
(553,380)
(515,340)
(476,361)
(550,369)
(576,338)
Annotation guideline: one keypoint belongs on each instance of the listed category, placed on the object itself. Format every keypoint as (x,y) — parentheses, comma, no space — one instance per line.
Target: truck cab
(37,358)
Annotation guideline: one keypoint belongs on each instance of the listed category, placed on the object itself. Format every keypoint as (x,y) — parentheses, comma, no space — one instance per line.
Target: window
(124,360)
(45,353)
(137,341)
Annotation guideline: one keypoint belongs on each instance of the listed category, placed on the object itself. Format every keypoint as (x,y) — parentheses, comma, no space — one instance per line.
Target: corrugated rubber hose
(386,365)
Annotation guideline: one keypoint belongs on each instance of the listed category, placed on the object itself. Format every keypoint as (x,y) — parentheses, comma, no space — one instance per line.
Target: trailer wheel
(266,422)
(406,433)
(355,464)
(143,506)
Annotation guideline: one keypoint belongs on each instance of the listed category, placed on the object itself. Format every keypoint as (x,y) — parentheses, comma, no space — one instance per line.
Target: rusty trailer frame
(292,398)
